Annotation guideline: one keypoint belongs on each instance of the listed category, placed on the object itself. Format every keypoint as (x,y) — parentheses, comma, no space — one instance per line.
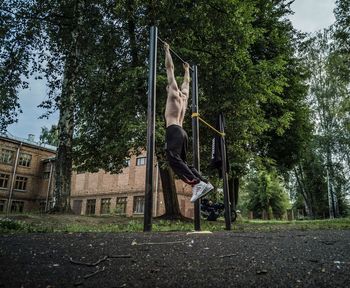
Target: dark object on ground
(222,259)
(212,211)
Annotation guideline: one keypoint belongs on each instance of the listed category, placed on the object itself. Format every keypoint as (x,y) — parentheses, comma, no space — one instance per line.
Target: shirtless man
(176,137)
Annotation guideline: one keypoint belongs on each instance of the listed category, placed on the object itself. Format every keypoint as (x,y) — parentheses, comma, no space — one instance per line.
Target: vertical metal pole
(47,206)
(195,136)
(150,129)
(9,201)
(156,197)
(224,175)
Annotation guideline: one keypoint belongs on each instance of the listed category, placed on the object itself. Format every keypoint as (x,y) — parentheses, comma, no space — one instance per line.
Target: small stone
(154,270)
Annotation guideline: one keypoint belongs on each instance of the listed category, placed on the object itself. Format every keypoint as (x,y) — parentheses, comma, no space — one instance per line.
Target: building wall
(86,187)
(130,184)
(35,189)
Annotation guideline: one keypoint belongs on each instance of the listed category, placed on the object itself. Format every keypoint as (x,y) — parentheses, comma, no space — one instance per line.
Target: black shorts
(176,145)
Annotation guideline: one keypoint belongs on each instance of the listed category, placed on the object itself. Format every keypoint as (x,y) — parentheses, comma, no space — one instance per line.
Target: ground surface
(293,258)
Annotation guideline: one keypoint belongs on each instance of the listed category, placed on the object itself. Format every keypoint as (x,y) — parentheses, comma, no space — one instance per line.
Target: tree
(342,33)
(236,63)
(49,136)
(97,60)
(310,182)
(14,58)
(267,194)
(59,40)
(328,99)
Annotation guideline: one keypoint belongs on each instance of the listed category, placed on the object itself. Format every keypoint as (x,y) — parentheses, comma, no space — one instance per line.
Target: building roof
(33,144)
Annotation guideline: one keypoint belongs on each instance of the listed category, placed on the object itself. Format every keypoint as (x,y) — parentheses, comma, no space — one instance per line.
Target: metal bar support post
(195,145)
(224,175)
(150,129)
(9,201)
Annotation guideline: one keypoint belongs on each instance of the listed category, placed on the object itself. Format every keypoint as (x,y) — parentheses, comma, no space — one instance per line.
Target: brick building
(92,193)
(23,184)
(102,193)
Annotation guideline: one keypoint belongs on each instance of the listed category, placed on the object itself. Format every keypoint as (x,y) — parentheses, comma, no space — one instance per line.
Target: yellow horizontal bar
(206,123)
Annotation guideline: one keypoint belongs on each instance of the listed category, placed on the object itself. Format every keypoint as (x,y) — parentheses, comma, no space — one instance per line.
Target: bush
(7,225)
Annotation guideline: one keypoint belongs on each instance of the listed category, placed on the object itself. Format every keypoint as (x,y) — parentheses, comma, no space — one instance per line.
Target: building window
(77,204)
(47,166)
(121,205)
(127,162)
(141,161)
(21,183)
(7,156)
(90,206)
(17,206)
(139,204)
(105,205)
(46,175)
(24,159)
(2,206)
(4,180)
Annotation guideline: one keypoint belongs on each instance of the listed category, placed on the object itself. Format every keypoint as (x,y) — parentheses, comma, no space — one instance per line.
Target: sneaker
(208,188)
(199,190)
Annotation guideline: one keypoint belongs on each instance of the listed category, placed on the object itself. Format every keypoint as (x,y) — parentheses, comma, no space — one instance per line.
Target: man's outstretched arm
(185,87)
(169,65)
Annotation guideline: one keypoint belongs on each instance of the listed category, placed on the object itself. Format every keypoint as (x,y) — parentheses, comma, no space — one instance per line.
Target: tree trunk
(64,150)
(234,190)
(172,209)
(308,205)
(64,158)
(332,195)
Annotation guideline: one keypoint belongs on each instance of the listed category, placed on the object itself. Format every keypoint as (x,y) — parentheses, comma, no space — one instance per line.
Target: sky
(309,16)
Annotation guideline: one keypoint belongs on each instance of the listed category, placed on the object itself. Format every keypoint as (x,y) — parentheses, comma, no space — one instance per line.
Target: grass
(30,223)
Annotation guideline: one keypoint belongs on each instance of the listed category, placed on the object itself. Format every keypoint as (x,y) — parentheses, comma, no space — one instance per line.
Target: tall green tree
(267,194)
(310,182)
(62,40)
(14,58)
(96,55)
(328,99)
(342,25)
(49,136)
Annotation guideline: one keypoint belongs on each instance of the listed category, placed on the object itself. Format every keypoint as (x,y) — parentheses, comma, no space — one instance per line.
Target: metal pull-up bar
(151,108)
(151,121)
(195,143)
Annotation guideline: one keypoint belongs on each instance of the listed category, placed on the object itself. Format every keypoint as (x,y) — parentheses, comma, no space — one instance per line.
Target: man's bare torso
(177,99)
(176,105)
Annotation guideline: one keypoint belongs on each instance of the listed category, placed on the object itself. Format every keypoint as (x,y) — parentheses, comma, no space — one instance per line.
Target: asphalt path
(221,259)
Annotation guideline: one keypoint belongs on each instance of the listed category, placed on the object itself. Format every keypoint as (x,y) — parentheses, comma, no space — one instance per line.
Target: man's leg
(197,174)
(175,143)
(184,158)
(205,186)
(181,169)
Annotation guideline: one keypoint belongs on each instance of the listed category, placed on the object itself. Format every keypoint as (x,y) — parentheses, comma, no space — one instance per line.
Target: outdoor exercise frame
(195,134)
